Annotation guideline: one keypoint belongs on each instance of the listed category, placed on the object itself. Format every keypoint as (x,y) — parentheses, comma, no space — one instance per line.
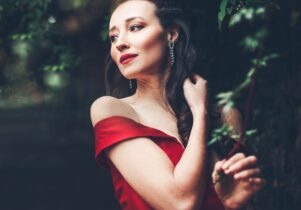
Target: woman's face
(138,41)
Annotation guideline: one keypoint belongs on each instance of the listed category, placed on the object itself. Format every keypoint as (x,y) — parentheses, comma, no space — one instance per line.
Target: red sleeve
(112,130)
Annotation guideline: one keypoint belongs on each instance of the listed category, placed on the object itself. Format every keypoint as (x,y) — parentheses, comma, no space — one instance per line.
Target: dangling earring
(171,45)
(131,84)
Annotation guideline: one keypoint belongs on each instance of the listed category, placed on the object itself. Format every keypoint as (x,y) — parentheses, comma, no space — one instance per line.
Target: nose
(121,44)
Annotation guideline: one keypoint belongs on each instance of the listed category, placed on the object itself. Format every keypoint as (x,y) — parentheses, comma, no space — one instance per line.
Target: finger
(258,183)
(247,173)
(232,160)
(257,180)
(198,79)
(187,82)
(217,171)
(193,78)
(241,164)
(218,166)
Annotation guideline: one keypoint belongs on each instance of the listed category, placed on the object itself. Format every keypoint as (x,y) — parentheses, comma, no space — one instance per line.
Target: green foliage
(218,134)
(246,14)
(65,60)
(222,12)
(252,43)
(30,28)
(32,23)
(238,10)
(267,30)
(226,99)
(38,24)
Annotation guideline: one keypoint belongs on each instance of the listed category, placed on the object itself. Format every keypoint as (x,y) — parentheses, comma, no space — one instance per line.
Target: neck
(151,91)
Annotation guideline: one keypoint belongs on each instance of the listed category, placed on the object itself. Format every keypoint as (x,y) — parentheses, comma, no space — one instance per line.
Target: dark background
(50,77)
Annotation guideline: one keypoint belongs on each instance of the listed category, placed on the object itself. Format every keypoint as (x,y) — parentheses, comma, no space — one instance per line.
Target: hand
(236,180)
(196,93)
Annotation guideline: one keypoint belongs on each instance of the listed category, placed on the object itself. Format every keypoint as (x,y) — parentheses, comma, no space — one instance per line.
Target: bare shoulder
(107,106)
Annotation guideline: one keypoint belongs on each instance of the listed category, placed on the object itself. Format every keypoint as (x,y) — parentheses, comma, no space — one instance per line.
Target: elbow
(176,202)
(190,203)
(179,198)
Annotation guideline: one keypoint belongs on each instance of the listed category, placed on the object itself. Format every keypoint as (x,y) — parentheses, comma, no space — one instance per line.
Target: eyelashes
(112,38)
(136,27)
(132,28)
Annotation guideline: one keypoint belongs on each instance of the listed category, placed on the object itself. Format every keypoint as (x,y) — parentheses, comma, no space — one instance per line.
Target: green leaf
(236,18)
(225,94)
(251,73)
(212,141)
(251,132)
(229,10)
(229,106)
(260,11)
(250,43)
(222,13)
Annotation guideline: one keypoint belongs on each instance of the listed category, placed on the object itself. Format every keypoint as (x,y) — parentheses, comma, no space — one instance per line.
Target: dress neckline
(148,127)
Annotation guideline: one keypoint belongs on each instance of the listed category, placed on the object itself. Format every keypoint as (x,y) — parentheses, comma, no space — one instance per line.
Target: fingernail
(227,171)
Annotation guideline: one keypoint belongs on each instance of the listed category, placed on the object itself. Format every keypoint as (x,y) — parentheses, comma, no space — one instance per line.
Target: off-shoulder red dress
(116,129)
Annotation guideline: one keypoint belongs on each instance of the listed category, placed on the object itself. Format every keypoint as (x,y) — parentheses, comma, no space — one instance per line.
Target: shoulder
(107,106)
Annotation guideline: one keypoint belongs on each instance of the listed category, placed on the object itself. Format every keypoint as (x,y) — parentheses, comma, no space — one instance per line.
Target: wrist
(199,113)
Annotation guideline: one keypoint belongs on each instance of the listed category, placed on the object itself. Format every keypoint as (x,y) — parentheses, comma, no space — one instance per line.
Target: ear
(173,34)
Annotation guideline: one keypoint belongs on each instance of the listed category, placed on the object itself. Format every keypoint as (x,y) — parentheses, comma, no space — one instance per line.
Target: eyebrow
(127,20)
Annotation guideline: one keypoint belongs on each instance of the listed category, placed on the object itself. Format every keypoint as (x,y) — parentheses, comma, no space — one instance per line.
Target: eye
(136,27)
(112,38)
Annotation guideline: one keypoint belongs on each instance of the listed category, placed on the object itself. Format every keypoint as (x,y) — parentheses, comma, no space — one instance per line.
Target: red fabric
(115,129)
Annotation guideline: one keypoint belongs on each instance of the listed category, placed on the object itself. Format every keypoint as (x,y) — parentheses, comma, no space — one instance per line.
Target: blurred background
(52,55)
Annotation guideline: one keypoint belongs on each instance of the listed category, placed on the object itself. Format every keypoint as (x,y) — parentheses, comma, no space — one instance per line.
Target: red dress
(115,129)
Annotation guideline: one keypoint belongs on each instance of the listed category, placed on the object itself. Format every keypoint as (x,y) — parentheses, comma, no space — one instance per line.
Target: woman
(154,140)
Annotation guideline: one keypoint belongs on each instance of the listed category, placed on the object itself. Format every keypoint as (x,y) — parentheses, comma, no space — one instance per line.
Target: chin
(136,70)
(131,73)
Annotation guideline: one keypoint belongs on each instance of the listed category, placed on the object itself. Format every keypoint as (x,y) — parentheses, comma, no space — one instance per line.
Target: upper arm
(148,170)
(142,163)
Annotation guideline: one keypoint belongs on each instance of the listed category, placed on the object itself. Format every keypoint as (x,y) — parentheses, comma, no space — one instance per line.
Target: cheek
(153,44)
(149,44)
(113,54)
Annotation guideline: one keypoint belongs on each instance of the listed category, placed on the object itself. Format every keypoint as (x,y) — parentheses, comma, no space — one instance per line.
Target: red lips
(127,58)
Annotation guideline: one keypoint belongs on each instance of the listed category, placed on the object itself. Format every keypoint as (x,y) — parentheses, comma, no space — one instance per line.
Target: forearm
(189,174)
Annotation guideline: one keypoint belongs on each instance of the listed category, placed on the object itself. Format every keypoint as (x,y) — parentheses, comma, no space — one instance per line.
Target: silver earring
(131,84)
(171,45)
